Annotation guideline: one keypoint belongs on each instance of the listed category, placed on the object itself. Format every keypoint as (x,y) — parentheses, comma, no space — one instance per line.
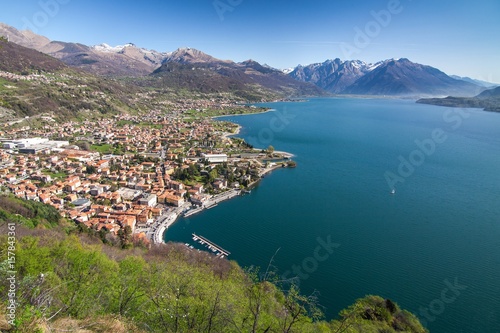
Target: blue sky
(459,37)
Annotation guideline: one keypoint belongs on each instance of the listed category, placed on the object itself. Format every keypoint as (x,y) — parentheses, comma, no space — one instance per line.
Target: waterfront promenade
(157,229)
(162,223)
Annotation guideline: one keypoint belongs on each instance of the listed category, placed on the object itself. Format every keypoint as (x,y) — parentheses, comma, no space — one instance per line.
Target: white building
(25,143)
(150,201)
(38,144)
(215,158)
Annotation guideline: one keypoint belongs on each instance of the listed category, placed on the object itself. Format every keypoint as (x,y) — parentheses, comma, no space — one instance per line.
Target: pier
(212,246)
(213,202)
(193,211)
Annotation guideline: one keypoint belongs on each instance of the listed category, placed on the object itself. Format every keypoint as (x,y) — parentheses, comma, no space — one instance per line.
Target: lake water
(441,227)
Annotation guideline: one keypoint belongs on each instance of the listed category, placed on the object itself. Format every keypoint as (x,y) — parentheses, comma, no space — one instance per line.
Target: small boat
(393,191)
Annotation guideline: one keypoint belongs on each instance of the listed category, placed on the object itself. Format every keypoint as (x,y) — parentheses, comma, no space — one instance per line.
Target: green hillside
(33,83)
(76,283)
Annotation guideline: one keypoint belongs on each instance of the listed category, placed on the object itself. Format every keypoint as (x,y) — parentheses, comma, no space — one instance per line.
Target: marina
(368,221)
(211,246)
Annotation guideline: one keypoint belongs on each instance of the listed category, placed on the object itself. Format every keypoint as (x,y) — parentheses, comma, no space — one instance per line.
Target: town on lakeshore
(133,175)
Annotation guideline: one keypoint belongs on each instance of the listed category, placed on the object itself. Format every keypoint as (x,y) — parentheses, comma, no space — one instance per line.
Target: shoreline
(227,135)
(157,231)
(284,153)
(244,114)
(262,174)
(167,220)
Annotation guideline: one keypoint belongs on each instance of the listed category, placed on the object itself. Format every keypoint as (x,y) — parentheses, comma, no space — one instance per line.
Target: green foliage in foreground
(76,283)
(63,282)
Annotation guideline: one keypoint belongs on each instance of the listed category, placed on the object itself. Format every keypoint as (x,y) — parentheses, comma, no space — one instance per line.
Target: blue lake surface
(442,224)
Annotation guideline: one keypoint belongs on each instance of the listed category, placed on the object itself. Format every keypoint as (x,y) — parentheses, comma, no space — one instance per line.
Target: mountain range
(194,70)
(124,60)
(332,75)
(185,68)
(32,83)
(188,69)
(393,77)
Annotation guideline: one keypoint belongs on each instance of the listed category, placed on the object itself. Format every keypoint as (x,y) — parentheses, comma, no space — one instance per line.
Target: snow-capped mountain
(112,49)
(148,57)
(130,49)
(394,77)
(333,75)
(191,69)
(402,77)
(121,60)
(388,77)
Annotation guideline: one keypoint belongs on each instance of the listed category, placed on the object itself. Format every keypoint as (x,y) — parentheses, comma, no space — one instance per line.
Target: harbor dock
(211,246)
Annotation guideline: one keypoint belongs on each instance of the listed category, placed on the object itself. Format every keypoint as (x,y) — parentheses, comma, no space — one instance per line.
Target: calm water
(443,222)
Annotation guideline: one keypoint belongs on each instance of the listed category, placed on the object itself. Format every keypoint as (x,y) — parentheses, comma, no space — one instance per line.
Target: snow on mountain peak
(355,64)
(103,47)
(371,67)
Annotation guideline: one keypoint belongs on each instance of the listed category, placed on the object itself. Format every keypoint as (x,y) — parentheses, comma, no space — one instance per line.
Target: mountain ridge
(102,59)
(184,68)
(332,75)
(391,77)
(194,70)
(405,78)
(33,83)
